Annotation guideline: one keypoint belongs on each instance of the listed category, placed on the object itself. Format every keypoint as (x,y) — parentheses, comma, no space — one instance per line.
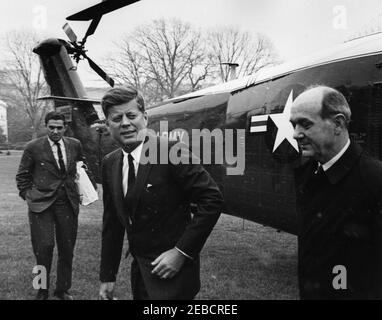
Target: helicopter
(254,108)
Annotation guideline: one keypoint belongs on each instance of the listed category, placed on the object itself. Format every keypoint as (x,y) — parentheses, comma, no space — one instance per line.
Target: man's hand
(168,264)
(106,291)
(23,194)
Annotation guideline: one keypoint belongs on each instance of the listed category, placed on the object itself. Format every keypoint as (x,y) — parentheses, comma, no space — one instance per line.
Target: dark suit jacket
(38,177)
(341,224)
(159,209)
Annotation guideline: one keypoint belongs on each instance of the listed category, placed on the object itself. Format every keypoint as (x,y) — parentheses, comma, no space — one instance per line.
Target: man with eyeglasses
(46,180)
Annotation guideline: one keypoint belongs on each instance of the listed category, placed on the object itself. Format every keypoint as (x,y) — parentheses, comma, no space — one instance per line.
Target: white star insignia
(284,127)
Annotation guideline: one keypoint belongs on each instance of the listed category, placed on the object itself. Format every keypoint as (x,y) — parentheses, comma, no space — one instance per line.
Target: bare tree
(22,77)
(129,66)
(230,45)
(164,58)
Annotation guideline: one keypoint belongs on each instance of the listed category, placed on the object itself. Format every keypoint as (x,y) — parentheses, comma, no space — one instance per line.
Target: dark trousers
(137,284)
(169,289)
(58,220)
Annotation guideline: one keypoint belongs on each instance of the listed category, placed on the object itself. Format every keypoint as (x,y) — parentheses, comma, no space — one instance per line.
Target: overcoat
(340,228)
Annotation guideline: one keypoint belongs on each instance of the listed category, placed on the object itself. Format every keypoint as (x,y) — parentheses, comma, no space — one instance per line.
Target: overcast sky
(296,27)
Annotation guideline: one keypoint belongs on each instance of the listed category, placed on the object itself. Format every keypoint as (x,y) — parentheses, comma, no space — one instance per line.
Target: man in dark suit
(339,203)
(151,202)
(46,180)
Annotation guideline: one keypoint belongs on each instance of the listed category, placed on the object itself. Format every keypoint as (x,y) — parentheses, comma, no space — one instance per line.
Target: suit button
(319,215)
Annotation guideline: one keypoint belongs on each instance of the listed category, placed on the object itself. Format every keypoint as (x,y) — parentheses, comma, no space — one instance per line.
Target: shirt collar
(52,143)
(333,160)
(136,153)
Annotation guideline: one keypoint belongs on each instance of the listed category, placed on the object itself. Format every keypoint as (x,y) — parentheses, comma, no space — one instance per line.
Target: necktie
(60,158)
(128,179)
(131,177)
(319,178)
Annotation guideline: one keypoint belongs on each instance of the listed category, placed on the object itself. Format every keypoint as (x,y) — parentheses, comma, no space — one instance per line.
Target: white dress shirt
(136,154)
(55,151)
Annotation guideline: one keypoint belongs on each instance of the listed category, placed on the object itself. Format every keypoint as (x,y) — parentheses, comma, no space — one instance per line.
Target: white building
(3,118)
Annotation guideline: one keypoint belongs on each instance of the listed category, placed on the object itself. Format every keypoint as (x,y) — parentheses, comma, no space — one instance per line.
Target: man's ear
(340,122)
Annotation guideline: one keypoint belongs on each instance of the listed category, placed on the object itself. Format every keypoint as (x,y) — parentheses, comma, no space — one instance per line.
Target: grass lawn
(240,261)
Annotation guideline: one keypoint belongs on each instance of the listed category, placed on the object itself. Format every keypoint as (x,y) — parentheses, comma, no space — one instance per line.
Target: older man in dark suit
(151,202)
(339,201)
(46,180)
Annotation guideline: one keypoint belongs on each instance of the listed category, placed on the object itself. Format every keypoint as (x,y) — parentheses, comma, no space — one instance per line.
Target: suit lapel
(117,182)
(140,182)
(141,179)
(69,154)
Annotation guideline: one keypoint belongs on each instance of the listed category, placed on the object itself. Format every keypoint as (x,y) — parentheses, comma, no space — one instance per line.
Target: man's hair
(54,115)
(120,95)
(333,102)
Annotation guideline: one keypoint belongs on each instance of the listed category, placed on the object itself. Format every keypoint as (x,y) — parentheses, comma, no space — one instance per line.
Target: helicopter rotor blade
(100,8)
(100,72)
(70,33)
(91,29)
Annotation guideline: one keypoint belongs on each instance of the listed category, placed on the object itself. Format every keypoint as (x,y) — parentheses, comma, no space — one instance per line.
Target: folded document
(85,187)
